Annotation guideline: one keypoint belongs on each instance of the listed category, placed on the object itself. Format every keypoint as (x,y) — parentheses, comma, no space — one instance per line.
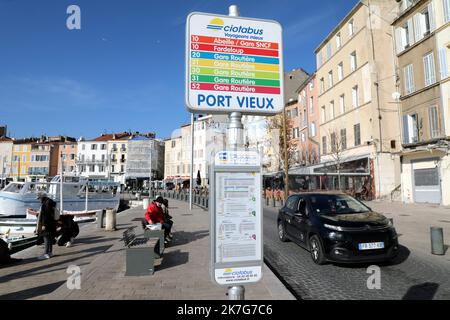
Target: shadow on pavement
(184,237)
(173,259)
(32,292)
(48,266)
(423,291)
(92,240)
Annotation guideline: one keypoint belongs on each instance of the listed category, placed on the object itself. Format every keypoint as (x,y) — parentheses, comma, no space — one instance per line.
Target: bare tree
(338,144)
(276,123)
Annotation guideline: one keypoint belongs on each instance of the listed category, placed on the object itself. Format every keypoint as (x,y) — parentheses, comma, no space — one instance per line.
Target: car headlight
(329,226)
(335,235)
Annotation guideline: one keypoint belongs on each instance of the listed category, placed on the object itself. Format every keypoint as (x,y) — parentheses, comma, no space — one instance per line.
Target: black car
(338,228)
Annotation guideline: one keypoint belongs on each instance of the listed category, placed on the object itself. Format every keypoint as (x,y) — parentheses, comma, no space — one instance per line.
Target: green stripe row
(227,73)
(236,81)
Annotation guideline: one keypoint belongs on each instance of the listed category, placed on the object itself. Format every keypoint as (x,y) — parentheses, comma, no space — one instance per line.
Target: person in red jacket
(155,214)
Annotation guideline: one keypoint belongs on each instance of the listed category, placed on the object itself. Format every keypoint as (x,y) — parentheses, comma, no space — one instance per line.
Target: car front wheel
(316,249)
(281,232)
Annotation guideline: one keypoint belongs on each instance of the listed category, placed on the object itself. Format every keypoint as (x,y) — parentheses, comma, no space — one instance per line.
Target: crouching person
(69,230)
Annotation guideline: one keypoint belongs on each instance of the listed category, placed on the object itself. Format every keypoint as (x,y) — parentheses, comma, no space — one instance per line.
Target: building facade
(172,157)
(6,147)
(145,160)
(422,35)
(21,156)
(359,119)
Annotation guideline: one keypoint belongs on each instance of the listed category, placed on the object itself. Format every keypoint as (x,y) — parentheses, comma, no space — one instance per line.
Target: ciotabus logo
(223,156)
(215,24)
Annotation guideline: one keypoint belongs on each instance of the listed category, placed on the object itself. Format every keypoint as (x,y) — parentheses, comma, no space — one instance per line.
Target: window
(173,144)
(311,85)
(320,59)
(428,63)
(342,104)
(332,110)
(303,137)
(328,50)
(355,97)
(311,104)
(338,40)
(357,134)
(446,4)
(353,64)
(330,79)
(343,139)
(322,86)
(294,112)
(24,158)
(324,118)
(324,144)
(333,142)
(434,122)
(313,129)
(122,168)
(103,146)
(113,169)
(340,71)
(91,168)
(410,131)
(409,79)
(114,148)
(443,66)
(295,133)
(103,157)
(93,157)
(305,118)
(350,28)
(93,147)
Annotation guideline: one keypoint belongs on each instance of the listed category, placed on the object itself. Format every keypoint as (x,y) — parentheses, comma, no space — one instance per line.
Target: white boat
(79,196)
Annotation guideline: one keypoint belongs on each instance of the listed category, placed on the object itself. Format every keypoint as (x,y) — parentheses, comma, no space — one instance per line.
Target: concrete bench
(141,253)
(148,233)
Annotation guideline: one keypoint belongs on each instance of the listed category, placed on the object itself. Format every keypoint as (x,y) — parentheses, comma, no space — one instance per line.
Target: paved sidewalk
(413,222)
(182,274)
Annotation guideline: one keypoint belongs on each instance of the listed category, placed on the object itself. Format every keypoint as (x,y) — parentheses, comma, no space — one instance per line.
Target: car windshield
(336,204)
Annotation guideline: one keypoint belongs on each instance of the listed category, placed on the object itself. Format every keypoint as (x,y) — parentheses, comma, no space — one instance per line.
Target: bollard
(274,202)
(100,218)
(145,203)
(203,201)
(437,241)
(236,293)
(207,203)
(110,224)
(267,201)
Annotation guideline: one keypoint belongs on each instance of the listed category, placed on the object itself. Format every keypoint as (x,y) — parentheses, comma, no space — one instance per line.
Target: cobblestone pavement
(413,276)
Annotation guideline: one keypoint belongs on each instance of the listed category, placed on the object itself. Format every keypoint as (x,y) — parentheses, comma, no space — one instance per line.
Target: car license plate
(371,245)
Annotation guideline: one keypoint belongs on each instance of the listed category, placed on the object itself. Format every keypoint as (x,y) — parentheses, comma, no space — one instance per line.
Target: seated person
(155,214)
(68,230)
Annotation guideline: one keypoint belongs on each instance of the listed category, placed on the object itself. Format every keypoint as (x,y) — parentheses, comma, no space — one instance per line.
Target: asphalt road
(412,276)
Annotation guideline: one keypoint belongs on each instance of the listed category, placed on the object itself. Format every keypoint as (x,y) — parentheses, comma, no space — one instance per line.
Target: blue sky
(124,70)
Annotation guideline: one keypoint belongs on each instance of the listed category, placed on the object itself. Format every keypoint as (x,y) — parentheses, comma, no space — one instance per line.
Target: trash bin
(100,219)
(110,220)
(145,203)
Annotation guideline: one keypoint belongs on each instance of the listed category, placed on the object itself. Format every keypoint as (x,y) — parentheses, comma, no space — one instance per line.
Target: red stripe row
(235,42)
(234,50)
(233,88)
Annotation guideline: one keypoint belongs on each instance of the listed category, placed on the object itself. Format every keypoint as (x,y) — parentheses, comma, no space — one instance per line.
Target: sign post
(234,65)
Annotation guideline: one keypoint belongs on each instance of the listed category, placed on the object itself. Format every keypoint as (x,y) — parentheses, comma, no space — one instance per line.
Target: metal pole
(191,179)
(235,135)
(61,208)
(285,155)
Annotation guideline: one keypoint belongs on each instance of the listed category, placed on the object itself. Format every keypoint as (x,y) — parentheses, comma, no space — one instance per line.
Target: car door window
(292,202)
(301,208)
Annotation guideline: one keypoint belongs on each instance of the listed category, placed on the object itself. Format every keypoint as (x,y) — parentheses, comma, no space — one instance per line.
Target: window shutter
(398,40)
(446,4)
(410,34)
(418,33)
(405,129)
(443,63)
(432,15)
(427,70)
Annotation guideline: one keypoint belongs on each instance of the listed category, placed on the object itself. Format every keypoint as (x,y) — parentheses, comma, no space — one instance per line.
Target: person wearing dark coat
(69,230)
(46,224)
